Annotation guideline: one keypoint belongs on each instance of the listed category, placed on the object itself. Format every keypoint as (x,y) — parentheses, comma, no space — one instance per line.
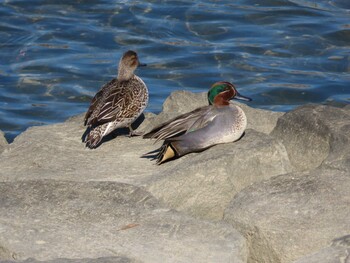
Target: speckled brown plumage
(118,104)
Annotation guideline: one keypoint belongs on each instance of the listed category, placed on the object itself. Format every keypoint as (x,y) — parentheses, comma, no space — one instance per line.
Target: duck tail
(93,138)
(166,152)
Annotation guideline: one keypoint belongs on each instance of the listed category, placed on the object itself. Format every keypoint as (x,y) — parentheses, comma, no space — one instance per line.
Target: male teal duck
(219,122)
(118,103)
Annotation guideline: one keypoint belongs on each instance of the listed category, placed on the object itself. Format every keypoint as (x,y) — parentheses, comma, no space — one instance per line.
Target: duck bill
(241,97)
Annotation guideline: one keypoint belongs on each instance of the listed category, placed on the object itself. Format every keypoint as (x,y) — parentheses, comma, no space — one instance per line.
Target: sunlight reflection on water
(280,53)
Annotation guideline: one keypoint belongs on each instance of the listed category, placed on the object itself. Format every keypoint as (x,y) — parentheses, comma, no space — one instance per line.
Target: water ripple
(282,53)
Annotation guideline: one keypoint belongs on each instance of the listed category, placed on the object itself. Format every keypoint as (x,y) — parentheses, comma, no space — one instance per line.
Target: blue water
(55,55)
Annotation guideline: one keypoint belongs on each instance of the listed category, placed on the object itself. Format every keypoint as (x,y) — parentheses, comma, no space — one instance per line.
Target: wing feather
(93,105)
(116,101)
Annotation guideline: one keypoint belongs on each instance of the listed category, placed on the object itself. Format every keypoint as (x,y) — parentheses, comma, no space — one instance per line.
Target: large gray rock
(292,215)
(205,190)
(207,181)
(83,260)
(338,252)
(315,135)
(83,217)
(203,184)
(56,152)
(3,142)
(48,219)
(60,199)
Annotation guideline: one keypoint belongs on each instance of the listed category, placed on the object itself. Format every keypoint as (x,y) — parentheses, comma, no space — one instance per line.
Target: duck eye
(224,88)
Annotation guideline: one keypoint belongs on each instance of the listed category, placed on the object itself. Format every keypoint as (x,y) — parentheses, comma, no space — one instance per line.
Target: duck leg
(133,132)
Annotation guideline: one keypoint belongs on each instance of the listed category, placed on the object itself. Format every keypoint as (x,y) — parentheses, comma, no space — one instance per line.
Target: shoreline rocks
(280,194)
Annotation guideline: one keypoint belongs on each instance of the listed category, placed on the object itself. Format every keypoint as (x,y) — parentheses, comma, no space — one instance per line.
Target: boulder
(339,251)
(283,186)
(56,152)
(83,260)
(292,215)
(3,142)
(50,219)
(200,187)
(203,184)
(315,135)
(205,191)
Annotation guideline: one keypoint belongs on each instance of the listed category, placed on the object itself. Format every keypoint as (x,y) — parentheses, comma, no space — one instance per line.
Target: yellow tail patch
(167,154)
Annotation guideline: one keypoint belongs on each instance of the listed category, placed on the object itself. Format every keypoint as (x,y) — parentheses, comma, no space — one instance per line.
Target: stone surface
(315,134)
(202,184)
(84,260)
(288,216)
(327,255)
(202,192)
(338,252)
(56,152)
(49,219)
(284,186)
(3,142)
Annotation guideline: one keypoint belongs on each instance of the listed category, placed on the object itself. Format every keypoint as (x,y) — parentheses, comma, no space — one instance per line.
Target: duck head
(128,64)
(221,92)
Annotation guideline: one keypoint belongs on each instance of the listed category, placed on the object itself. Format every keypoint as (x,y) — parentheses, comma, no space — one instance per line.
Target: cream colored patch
(169,153)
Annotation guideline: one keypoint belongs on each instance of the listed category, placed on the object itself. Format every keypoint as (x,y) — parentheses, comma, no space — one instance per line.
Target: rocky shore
(280,194)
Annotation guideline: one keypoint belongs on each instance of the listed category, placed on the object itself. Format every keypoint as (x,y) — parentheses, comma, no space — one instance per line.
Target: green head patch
(215,90)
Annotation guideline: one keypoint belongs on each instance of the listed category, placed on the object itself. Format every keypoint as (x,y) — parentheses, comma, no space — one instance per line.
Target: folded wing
(184,123)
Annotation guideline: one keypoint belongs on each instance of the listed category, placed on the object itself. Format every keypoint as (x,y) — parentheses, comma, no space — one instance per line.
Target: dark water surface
(55,55)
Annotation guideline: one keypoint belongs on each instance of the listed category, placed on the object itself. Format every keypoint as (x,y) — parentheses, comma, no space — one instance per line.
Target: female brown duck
(118,104)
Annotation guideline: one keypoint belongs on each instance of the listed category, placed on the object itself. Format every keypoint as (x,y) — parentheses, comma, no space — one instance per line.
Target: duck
(195,131)
(117,104)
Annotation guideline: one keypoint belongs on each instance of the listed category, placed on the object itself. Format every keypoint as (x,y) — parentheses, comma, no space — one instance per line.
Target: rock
(338,252)
(284,186)
(3,142)
(48,219)
(84,260)
(239,165)
(260,120)
(292,215)
(56,152)
(146,122)
(204,192)
(315,135)
(6,254)
(203,184)
(327,255)
(180,102)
